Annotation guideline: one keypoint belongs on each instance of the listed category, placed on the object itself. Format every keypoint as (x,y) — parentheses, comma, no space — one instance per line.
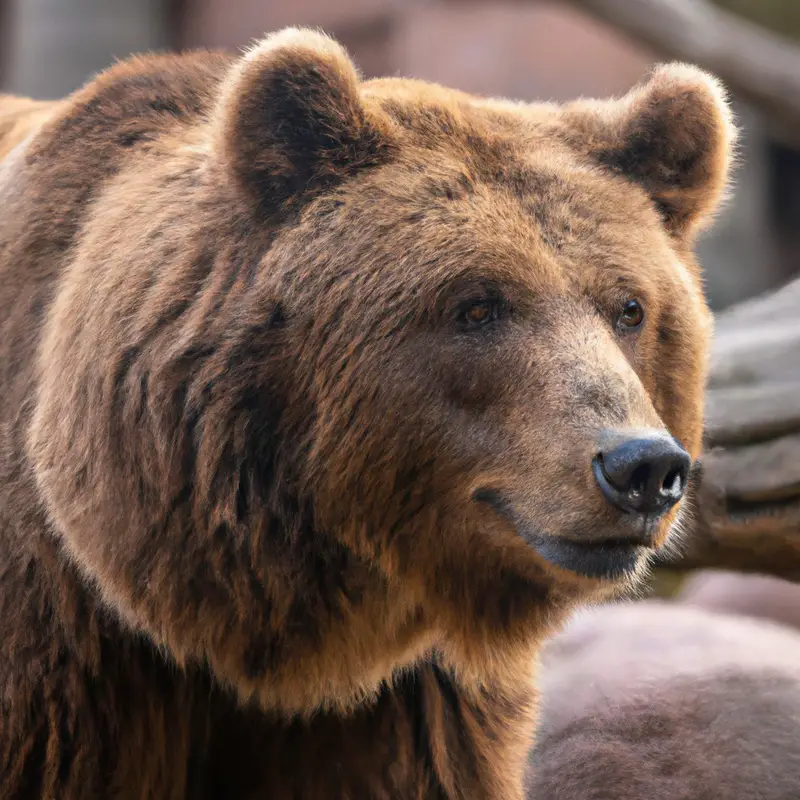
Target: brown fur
(658,701)
(244,430)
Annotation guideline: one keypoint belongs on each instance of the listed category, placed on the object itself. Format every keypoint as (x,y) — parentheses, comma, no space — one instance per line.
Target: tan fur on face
(243,432)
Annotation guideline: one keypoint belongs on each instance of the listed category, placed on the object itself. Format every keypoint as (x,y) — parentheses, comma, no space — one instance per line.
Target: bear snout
(641,474)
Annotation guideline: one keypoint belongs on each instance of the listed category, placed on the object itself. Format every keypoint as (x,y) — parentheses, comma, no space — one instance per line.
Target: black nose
(645,475)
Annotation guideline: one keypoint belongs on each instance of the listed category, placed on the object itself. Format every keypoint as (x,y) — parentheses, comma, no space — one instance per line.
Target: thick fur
(670,703)
(245,437)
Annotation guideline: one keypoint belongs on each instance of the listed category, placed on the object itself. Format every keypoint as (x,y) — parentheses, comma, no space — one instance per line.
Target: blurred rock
(758,596)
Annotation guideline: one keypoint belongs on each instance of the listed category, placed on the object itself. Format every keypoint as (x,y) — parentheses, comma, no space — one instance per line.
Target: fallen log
(746,507)
(755,63)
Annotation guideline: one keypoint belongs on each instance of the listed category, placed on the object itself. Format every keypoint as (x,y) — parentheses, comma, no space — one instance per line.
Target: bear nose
(643,475)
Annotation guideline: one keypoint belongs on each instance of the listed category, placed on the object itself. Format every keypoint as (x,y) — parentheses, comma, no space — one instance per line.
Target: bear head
(340,371)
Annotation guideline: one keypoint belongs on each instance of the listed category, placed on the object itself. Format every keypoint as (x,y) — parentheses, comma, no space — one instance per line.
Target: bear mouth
(611,559)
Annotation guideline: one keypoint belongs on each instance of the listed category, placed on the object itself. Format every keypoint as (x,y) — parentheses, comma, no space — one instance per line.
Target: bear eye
(631,316)
(478,313)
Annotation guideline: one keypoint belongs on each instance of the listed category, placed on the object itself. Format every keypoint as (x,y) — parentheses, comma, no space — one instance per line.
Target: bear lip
(610,559)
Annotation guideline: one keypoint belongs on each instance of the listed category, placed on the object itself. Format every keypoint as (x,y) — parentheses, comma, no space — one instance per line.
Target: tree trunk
(755,63)
(747,505)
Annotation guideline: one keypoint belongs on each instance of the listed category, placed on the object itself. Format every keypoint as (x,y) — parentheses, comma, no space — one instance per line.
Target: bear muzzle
(640,474)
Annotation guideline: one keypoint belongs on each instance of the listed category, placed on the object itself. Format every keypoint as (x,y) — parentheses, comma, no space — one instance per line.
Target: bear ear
(290,120)
(673,135)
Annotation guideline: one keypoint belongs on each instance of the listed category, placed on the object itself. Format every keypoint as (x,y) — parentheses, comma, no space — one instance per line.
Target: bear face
(327,371)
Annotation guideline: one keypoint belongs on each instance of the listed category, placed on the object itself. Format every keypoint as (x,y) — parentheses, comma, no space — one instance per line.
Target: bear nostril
(672,482)
(639,480)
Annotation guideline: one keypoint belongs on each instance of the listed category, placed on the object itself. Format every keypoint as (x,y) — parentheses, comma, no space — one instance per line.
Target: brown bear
(324,401)
(665,702)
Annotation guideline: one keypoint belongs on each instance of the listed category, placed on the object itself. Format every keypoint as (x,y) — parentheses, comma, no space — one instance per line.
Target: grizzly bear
(324,402)
(660,701)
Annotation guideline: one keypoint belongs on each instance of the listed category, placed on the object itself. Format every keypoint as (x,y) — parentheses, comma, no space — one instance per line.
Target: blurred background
(525,49)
